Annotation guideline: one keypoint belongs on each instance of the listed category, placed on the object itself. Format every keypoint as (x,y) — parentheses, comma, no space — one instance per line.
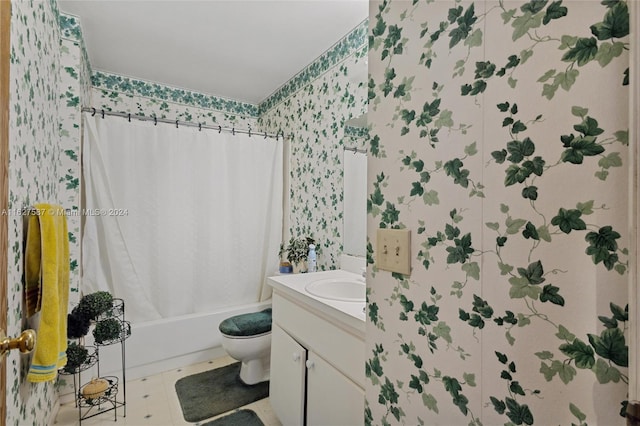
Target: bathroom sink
(344,289)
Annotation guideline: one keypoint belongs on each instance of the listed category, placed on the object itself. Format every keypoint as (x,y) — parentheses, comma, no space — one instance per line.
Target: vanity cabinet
(317,366)
(332,398)
(287,377)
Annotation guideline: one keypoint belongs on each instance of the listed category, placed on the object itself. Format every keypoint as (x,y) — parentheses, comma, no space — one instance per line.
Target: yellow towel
(47,258)
(32,259)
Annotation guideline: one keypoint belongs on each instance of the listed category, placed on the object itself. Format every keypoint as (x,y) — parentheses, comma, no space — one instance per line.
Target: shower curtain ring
(102,113)
(155,120)
(233,131)
(129,117)
(249,131)
(219,129)
(265,135)
(176,124)
(93,112)
(200,127)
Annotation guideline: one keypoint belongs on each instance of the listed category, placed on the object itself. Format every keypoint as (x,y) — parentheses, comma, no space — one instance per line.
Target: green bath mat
(239,418)
(214,392)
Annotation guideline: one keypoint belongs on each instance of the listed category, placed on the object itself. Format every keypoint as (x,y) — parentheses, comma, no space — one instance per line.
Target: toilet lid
(250,324)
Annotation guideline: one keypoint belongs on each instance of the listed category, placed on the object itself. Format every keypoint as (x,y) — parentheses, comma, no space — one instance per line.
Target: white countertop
(351,314)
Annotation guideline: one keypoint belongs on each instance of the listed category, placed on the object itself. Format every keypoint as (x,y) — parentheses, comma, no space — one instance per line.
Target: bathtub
(166,344)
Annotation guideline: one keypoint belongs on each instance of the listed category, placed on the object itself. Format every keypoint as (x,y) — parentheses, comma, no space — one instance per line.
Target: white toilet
(247,338)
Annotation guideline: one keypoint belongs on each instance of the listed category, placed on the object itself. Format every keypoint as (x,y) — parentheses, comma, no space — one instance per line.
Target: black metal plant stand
(90,407)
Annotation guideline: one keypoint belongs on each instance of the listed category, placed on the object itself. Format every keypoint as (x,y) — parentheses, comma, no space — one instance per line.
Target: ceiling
(238,49)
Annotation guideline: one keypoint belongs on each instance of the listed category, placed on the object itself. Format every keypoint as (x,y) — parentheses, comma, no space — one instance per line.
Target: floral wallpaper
(313,109)
(75,92)
(499,137)
(35,165)
(113,92)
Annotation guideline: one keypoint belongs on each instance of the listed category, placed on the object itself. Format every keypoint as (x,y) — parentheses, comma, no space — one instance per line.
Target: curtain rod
(356,150)
(200,126)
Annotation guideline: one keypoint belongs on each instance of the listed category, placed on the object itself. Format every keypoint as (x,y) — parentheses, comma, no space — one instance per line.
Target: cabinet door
(332,398)
(286,388)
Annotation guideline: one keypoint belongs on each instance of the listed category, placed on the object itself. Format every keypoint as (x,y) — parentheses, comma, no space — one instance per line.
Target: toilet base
(255,370)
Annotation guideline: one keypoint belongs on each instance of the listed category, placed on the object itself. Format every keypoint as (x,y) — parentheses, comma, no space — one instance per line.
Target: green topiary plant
(92,305)
(76,356)
(106,330)
(77,325)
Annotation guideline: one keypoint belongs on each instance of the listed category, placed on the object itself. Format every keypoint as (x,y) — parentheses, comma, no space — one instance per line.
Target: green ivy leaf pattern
(510,262)
(44,134)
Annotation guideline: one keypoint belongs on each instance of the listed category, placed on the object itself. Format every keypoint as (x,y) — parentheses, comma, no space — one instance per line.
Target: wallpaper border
(132,86)
(354,42)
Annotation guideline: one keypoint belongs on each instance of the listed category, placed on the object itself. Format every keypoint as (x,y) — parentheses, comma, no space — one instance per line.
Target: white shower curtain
(178,220)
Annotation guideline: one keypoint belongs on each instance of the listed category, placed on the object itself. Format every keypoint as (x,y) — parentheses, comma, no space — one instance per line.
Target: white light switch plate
(393,250)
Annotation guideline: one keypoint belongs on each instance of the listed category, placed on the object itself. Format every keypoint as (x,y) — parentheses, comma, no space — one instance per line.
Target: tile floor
(153,401)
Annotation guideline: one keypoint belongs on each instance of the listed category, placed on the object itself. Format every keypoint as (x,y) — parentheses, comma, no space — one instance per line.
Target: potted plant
(90,307)
(297,251)
(107,330)
(79,320)
(285,266)
(76,356)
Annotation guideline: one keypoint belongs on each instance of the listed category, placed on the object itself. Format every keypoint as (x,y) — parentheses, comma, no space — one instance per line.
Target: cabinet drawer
(342,349)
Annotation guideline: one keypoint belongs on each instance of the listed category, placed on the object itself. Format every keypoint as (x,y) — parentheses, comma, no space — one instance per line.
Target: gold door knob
(24,343)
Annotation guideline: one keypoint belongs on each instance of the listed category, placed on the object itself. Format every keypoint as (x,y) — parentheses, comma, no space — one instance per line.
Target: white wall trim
(634,202)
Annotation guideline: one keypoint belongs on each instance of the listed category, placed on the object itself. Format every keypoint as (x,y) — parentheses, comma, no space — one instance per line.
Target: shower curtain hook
(249,131)
(93,112)
(176,124)
(265,135)
(155,120)
(200,127)
(219,129)
(103,114)
(129,117)
(233,131)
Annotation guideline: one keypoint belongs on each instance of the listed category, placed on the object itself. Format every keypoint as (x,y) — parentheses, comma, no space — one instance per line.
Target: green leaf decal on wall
(554,11)
(605,372)
(615,23)
(461,251)
(603,246)
(550,294)
(530,192)
(611,345)
(569,220)
(580,352)
(534,6)
(518,414)
(465,23)
(524,23)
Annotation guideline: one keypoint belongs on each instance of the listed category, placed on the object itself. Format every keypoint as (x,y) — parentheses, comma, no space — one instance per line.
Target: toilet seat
(246,326)
(245,337)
